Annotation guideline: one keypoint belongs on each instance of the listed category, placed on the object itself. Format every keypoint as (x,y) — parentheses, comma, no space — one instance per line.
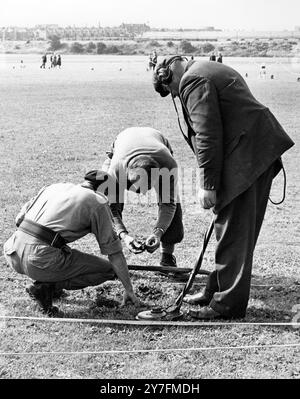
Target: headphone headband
(163,74)
(171,60)
(164,71)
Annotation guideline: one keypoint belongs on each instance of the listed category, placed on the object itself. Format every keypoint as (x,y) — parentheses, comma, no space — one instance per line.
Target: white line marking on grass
(112,352)
(152,323)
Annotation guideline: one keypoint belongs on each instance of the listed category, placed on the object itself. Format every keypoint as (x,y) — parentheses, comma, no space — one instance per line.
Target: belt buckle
(53,242)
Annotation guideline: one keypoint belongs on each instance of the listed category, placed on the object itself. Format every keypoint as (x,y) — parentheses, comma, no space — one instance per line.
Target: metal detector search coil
(173,312)
(159,314)
(153,314)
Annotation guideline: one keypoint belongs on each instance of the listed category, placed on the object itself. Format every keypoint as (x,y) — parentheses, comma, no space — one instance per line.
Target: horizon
(216,28)
(257,15)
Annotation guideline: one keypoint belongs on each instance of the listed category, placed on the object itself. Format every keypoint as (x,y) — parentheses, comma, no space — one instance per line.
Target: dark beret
(94,176)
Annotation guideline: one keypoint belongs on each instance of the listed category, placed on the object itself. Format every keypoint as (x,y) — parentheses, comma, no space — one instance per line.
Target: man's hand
(119,266)
(130,297)
(207,198)
(152,242)
(133,245)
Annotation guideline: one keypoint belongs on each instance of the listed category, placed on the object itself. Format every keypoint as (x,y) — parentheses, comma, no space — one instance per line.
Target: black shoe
(205,313)
(200,299)
(167,260)
(208,313)
(42,294)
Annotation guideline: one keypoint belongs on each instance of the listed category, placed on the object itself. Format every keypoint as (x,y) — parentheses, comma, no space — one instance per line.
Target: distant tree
(55,43)
(91,47)
(208,47)
(154,43)
(101,48)
(170,44)
(112,49)
(187,47)
(77,48)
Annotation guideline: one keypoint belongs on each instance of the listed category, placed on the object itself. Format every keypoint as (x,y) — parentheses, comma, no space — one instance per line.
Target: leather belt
(43,233)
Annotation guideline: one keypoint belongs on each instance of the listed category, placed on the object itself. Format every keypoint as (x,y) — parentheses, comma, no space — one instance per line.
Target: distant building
(131,31)
(40,34)
(17,34)
(47,26)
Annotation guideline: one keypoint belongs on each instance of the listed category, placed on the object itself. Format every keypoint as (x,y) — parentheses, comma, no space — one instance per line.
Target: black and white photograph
(149,193)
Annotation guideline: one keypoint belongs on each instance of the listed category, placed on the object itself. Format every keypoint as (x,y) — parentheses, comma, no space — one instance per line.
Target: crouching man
(60,214)
(141,158)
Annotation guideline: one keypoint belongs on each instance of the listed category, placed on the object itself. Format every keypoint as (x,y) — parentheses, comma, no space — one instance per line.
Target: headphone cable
(283,170)
(284,189)
(178,119)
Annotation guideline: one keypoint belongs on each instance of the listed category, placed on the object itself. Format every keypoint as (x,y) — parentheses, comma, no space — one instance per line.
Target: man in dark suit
(238,144)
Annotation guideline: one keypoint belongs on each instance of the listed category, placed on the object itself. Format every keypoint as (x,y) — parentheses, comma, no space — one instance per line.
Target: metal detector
(166,269)
(173,312)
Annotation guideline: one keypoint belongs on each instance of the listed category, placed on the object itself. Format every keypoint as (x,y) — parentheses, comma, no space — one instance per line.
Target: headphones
(165,73)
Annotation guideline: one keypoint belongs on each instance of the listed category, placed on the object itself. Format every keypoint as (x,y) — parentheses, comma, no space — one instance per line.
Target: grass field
(56,125)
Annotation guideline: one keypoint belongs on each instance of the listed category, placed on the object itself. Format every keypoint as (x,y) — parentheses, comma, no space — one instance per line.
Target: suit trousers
(237,227)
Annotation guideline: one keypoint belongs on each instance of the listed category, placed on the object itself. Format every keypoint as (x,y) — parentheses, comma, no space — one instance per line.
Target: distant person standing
(263,71)
(58,62)
(153,60)
(220,58)
(212,57)
(150,62)
(54,61)
(44,61)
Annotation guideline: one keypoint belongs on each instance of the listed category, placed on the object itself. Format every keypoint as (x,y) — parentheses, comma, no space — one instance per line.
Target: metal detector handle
(197,266)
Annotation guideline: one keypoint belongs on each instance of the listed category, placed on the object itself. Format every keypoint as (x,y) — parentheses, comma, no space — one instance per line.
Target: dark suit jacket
(235,137)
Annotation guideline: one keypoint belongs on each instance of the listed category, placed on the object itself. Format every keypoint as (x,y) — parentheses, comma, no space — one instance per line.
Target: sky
(223,14)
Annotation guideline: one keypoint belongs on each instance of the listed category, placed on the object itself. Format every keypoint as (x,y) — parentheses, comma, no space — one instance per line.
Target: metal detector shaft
(197,266)
(174,270)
